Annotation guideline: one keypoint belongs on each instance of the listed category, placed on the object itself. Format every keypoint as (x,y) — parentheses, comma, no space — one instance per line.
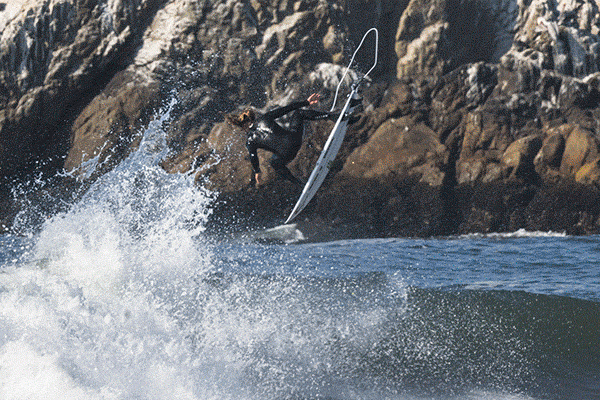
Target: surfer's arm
(281,111)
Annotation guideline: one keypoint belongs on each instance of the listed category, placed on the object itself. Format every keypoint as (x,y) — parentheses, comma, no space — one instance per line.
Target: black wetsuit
(267,134)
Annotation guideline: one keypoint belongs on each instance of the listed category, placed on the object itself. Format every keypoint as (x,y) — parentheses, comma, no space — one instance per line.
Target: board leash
(356,84)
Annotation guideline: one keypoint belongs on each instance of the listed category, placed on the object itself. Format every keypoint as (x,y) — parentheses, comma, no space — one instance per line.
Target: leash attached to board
(336,137)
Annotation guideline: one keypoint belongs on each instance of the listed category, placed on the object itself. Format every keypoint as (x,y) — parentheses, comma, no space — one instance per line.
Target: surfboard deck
(330,150)
(334,142)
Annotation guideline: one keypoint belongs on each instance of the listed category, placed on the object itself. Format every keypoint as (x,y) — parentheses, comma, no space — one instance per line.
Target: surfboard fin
(355,101)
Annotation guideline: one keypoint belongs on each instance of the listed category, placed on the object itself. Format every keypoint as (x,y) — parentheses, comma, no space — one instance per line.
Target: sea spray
(87,312)
(135,217)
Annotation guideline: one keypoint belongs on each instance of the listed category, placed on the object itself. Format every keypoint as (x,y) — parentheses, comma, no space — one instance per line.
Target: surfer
(263,132)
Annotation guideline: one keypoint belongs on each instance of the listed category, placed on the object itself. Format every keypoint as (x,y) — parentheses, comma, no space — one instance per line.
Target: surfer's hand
(313,98)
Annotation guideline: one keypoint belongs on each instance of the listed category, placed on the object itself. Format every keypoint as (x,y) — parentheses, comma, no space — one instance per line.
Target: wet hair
(248,115)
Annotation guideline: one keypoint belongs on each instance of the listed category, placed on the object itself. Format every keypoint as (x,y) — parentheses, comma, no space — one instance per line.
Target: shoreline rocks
(481,117)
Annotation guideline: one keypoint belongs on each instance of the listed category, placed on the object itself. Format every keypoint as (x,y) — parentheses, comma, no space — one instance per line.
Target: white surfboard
(323,165)
(336,137)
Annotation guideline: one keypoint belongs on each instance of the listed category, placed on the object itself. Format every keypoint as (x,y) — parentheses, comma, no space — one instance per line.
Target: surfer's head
(243,120)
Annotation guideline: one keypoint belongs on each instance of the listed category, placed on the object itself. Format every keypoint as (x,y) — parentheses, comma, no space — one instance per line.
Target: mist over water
(123,295)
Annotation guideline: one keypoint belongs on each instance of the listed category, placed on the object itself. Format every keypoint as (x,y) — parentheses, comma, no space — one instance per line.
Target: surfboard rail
(323,165)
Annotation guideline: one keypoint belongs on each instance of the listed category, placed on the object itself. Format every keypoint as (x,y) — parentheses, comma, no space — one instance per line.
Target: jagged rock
(54,55)
(550,155)
(480,116)
(486,137)
(107,127)
(589,173)
(226,155)
(518,157)
(581,147)
(434,38)
(398,147)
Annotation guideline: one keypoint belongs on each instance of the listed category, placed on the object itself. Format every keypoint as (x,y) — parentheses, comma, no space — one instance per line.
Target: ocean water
(124,295)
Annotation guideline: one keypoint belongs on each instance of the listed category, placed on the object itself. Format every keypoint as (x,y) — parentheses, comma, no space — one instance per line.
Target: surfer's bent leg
(279,165)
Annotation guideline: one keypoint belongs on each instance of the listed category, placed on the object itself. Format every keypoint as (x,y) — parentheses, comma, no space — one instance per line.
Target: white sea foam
(88,314)
(521,233)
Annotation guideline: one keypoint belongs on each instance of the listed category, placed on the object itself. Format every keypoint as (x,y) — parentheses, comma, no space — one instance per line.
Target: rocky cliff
(481,116)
